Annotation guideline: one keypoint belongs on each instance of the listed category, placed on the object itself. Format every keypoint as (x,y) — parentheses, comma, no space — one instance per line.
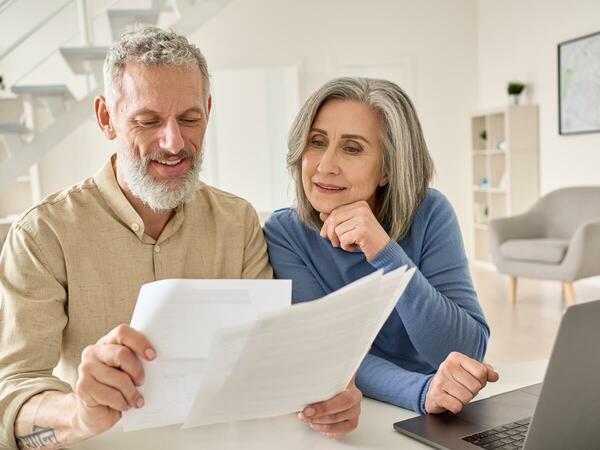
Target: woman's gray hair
(406,160)
(151,46)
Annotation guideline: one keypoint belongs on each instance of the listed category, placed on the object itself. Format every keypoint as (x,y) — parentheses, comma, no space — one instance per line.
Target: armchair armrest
(522,226)
(582,259)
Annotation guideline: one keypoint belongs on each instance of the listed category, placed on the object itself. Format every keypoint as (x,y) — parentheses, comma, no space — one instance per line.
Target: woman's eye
(318,143)
(352,150)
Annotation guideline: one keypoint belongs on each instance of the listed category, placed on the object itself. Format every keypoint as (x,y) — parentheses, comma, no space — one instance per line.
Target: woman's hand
(458,380)
(353,225)
(336,416)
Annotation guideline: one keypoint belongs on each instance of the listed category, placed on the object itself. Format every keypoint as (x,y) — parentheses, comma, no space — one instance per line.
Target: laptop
(561,413)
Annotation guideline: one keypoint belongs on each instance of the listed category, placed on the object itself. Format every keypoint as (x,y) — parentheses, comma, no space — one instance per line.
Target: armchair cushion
(546,251)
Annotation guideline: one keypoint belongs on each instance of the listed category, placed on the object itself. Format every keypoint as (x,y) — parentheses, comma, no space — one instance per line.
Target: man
(72,266)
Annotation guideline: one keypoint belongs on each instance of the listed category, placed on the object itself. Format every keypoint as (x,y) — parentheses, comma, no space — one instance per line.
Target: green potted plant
(514,89)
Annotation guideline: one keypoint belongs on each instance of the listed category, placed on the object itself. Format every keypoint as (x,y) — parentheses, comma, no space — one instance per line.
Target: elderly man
(72,266)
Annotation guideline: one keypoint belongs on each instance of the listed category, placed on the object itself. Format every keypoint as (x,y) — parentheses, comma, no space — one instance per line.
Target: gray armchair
(557,239)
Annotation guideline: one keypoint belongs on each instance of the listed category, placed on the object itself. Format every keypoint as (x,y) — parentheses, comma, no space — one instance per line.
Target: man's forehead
(156,87)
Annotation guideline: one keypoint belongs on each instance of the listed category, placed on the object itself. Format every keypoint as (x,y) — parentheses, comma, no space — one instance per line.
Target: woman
(362,170)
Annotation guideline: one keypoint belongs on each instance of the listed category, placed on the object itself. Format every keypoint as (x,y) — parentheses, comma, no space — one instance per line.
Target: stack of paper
(286,358)
(180,318)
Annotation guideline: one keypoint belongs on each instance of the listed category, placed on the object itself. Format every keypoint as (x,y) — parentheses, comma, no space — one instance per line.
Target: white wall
(518,40)
(437,37)
(435,40)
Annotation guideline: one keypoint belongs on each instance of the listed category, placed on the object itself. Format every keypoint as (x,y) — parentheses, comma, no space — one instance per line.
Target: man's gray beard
(154,193)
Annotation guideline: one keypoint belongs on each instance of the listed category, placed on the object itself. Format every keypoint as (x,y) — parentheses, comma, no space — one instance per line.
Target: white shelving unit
(505,168)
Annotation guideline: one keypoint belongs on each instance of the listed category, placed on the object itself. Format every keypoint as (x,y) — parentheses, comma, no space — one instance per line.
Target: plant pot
(513,99)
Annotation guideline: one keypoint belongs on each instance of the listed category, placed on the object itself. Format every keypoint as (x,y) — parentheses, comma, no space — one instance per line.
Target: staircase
(35,118)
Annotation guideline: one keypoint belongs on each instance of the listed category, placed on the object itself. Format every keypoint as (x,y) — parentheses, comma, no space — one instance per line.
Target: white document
(180,318)
(296,356)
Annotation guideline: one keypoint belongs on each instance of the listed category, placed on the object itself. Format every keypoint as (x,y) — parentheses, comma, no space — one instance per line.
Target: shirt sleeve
(32,319)
(256,259)
(439,308)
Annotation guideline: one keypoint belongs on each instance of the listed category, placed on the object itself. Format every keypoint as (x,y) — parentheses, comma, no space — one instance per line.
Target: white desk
(374,432)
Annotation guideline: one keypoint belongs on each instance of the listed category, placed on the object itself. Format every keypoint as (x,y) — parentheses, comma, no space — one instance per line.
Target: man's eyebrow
(142,111)
(344,136)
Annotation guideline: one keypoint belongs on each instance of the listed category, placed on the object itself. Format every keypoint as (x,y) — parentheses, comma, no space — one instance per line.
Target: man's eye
(148,123)
(190,121)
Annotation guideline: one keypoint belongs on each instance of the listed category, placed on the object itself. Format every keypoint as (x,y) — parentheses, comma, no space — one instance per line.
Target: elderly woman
(362,170)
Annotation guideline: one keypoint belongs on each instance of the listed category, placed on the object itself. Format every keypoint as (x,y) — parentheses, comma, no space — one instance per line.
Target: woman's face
(343,159)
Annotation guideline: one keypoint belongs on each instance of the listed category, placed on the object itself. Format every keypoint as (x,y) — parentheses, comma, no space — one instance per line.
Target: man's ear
(103,117)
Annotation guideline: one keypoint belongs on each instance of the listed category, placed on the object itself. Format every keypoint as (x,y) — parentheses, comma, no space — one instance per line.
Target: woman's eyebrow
(344,136)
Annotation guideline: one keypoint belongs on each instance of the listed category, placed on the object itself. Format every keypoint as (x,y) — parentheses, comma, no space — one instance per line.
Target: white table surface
(375,430)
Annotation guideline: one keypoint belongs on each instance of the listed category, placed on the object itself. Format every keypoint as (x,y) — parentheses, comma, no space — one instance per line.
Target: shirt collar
(112,194)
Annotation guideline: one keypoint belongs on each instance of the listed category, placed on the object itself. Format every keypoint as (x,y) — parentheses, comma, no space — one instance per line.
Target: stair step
(86,60)
(43,90)
(120,19)
(13,128)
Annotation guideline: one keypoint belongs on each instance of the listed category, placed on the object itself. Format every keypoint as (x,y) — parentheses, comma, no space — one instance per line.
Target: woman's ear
(103,117)
(383,181)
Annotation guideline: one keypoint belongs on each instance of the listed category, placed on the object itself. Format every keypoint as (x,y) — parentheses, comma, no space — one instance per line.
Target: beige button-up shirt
(71,269)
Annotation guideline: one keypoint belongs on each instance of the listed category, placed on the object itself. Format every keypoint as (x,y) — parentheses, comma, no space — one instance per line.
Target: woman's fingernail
(309,412)
(140,402)
(150,354)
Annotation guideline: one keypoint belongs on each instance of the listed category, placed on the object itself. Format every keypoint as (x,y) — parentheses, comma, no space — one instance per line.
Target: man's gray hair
(151,46)
(406,160)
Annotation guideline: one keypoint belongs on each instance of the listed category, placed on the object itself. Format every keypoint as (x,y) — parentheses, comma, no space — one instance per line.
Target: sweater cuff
(423,395)
(390,257)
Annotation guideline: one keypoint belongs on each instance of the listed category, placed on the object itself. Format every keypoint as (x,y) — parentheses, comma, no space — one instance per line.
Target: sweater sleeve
(439,307)
(287,263)
(382,380)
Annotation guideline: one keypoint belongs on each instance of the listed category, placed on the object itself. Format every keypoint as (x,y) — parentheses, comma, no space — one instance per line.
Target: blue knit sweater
(437,314)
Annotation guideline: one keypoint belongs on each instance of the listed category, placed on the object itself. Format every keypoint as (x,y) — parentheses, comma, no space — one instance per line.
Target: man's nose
(171,139)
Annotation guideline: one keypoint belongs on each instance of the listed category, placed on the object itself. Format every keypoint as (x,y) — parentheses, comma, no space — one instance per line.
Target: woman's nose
(328,162)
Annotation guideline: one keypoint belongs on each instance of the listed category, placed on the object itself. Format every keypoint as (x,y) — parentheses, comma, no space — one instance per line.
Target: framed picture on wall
(579,85)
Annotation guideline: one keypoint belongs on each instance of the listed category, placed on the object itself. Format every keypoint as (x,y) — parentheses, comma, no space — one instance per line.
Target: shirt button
(157,248)
(135,227)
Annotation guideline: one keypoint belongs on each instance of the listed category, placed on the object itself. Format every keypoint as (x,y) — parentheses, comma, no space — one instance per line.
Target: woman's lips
(328,188)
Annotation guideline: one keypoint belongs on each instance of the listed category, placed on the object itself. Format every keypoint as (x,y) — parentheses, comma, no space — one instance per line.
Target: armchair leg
(570,293)
(513,290)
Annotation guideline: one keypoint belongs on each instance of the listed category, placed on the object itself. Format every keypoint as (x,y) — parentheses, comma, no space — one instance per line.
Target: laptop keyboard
(507,437)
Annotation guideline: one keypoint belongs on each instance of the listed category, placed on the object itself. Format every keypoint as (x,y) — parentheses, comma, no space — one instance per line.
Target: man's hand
(354,225)
(336,416)
(458,380)
(109,375)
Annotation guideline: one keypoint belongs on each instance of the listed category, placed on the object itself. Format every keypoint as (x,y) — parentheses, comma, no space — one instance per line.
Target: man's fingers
(341,402)
(129,337)
(123,358)
(94,393)
(343,416)
(120,381)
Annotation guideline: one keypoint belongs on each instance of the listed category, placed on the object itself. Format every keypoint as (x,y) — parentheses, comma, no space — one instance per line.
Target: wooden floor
(526,331)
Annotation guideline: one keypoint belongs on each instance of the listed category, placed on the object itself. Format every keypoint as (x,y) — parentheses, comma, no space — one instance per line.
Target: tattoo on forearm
(40,437)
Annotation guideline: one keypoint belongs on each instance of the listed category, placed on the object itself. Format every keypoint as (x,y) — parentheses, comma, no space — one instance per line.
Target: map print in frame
(579,85)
